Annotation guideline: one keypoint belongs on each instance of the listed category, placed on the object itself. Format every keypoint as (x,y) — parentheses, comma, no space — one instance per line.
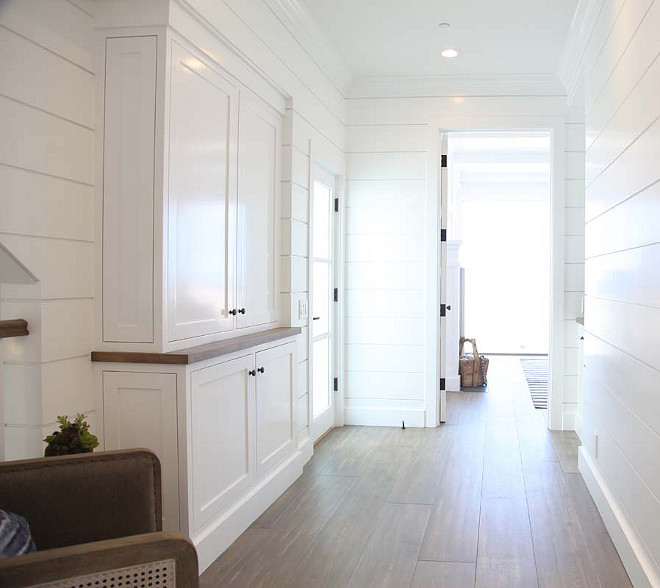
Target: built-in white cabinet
(188,199)
(223,429)
(189,359)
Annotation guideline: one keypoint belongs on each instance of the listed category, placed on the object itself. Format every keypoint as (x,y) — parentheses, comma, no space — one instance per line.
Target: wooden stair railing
(13,328)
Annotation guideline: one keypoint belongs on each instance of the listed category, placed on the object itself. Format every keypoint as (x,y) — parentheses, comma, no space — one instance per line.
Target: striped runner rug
(536,374)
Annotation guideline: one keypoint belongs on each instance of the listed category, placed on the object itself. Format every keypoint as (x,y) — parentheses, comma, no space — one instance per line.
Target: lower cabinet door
(139,410)
(221,436)
(275,392)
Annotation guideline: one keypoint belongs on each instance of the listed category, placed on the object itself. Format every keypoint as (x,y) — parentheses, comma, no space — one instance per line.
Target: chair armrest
(152,553)
(77,499)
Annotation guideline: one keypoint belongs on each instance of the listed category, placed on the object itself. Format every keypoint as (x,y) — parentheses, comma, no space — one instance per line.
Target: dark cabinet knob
(252,372)
(241,311)
(232,312)
(449,307)
(261,370)
(316,318)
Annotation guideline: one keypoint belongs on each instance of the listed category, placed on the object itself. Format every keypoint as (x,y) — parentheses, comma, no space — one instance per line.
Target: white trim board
(634,555)
(372,413)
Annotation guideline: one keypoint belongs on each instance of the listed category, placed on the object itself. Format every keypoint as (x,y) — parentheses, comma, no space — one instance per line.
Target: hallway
(491,499)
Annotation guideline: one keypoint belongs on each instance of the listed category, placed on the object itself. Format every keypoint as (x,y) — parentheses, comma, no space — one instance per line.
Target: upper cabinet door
(259,149)
(128,189)
(203,129)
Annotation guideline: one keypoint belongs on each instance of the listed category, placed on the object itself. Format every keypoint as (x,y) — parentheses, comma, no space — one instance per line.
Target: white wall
(385,280)
(616,48)
(391,184)
(46,212)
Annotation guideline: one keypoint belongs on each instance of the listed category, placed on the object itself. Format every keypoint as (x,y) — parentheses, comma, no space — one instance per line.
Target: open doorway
(499,253)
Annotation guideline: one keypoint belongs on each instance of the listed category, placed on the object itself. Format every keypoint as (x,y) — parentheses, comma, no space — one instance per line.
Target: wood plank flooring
(490,499)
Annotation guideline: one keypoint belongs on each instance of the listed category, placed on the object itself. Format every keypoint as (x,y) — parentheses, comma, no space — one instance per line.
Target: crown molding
(302,26)
(456,85)
(571,64)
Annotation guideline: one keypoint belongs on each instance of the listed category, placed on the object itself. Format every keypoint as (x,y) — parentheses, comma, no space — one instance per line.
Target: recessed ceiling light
(450,53)
(444,25)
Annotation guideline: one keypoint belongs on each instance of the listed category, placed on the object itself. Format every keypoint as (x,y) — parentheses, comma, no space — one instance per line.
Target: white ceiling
(402,37)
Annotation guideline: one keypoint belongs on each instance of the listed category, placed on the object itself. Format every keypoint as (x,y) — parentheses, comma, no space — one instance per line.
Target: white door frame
(554,125)
(337,364)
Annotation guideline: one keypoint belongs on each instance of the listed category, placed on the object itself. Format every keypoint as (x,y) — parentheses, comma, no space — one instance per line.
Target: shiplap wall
(618,53)
(387,162)
(385,274)
(573,253)
(46,212)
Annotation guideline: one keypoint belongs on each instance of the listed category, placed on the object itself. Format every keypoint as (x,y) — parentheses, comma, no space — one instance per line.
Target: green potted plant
(73,437)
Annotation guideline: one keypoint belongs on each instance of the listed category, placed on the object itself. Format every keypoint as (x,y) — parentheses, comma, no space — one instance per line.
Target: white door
(442,250)
(275,375)
(259,148)
(323,319)
(222,436)
(139,410)
(203,129)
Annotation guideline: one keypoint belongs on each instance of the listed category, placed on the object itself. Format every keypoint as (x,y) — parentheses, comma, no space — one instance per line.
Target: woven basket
(472,367)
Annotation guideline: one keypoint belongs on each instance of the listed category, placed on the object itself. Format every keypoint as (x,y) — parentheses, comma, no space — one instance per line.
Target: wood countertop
(199,353)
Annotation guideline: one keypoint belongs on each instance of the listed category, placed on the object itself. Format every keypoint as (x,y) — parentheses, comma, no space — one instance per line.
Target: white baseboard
(632,550)
(453,383)
(216,537)
(569,417)
(307,450)
(384,417)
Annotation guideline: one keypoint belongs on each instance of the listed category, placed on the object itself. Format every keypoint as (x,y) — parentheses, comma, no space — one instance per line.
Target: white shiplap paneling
(619,403)
(47,174)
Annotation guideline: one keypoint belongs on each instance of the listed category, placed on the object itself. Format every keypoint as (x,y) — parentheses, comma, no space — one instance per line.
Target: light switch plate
(302,309)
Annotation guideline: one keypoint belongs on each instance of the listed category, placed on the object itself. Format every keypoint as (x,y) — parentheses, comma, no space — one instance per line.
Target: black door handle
(241,311)
(232,312)
(449,307)
(316,318)
(252,372)
(261,370)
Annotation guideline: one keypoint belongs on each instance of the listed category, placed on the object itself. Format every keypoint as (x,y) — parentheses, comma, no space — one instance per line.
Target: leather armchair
(96,519)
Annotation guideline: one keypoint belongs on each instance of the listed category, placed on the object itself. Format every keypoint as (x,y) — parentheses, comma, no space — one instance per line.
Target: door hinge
(336,204)
(442,384)
(443,310)
(443,161)
(443,235)
(335,384)
(336,295)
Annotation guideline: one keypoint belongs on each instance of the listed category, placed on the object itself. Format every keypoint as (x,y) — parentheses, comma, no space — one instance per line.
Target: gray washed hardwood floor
(490,499)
